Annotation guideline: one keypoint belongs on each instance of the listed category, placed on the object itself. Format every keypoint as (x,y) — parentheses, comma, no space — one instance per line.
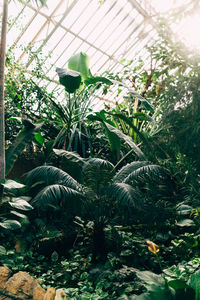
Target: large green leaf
(97,173)
(194,282)
(126,195)
(178,284)
(80,63)
(128,169)
(39,138)
(56,196)
(158,293)
(147,172)
(2,251)
(128,140)
(51,175)
(96,79)
(11,184)
(20,203)
(24,137)
(113,139)
(150,279)
(70,79)
(10,224)
(72,156)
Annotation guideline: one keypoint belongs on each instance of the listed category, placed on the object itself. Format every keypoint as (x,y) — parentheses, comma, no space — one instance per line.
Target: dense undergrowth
(111,208)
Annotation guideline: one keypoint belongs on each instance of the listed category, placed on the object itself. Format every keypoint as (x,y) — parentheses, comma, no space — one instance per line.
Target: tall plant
(80,86)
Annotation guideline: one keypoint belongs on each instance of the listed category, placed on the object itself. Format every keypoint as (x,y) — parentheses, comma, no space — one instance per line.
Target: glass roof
(106,30)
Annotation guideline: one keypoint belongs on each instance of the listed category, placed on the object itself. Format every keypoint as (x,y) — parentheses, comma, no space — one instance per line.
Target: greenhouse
(99,149)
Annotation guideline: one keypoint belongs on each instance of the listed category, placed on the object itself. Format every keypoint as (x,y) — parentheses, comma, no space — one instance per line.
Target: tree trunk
(2,68)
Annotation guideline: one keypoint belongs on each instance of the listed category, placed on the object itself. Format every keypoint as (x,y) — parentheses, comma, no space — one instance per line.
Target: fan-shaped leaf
(58,195)
(51,175)
(128,169)
(97,173)
(145,173)
(126,195)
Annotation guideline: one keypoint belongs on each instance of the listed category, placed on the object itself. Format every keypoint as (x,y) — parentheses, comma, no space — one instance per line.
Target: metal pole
(2,70)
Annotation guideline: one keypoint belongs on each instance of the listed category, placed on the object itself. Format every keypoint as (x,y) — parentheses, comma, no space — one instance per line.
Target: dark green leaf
(72,156)
(16,213)
(127,139)
(20,204)
(2,250)
(10,224)
(194,282)
(11,184)
(70,79)
(39,138)
(185,222)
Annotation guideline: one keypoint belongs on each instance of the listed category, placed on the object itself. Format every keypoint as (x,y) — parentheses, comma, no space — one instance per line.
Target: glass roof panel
(107,32)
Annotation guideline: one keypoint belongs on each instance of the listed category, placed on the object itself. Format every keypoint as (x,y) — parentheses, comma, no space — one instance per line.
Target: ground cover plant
(111,211)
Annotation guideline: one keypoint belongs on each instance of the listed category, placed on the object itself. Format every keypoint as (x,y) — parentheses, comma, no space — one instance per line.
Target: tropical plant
(24,137)
(13,205)
(101,195)
(80,87)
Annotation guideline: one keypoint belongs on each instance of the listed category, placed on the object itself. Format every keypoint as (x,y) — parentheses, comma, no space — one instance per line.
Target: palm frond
(51,175)
(128,169)
(97,173)
(126,195)
(147,173)
(56,196)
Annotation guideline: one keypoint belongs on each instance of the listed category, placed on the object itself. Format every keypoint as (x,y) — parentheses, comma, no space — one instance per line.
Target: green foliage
(70,79)
(23,138)
(114,179)
(13,208)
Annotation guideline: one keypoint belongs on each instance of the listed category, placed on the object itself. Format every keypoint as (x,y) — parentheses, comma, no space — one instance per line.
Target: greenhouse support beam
(41,29)
(54,29)
(2,70)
